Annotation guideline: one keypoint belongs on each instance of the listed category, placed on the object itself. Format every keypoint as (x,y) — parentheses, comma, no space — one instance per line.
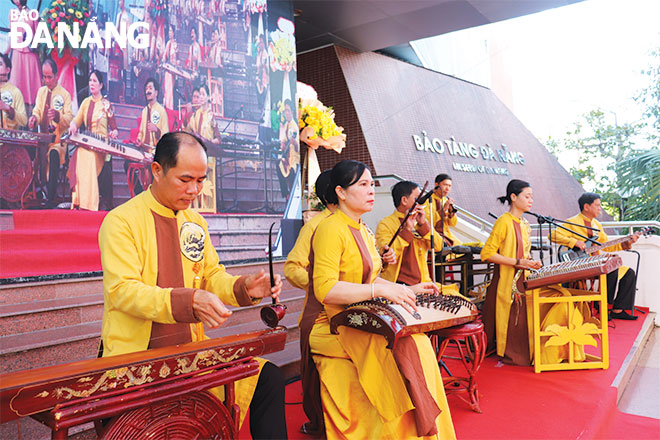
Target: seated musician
(12,106)
(297,262)
(413,242)
(365,390)
(202,122)
(52,113)
(96,114)
(444,214)
(622,298)
(296,272)
(509,246)
(162,281)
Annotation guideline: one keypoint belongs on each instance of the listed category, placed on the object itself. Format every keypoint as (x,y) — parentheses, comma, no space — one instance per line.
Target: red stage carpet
(51,242)
(520,404)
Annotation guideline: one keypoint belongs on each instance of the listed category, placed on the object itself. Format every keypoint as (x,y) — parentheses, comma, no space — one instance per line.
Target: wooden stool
(470,341)
(135,173)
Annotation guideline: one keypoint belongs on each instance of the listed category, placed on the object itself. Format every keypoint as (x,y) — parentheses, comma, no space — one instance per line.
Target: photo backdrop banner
(224,70)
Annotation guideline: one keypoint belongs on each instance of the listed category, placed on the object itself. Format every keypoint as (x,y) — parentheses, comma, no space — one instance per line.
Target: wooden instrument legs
(470,342)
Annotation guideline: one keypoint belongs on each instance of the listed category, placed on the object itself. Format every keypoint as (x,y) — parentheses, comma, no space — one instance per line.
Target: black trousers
(625,294)
(267,418)
(53,176)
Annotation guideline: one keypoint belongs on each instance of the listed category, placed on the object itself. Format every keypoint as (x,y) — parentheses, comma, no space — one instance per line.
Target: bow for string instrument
(272,314)
(398,231)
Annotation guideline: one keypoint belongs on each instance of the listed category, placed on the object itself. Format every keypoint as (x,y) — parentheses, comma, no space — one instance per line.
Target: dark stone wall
(383,102)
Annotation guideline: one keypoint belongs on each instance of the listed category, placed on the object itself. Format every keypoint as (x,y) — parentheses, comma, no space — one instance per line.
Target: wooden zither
(393,321)
(159,393)
(573,270)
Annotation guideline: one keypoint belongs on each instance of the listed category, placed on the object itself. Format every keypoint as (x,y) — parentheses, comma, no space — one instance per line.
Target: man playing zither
(52,112)
(590,208)
(163,283)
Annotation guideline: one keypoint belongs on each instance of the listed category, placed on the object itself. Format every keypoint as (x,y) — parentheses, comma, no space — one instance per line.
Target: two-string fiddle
(273,313)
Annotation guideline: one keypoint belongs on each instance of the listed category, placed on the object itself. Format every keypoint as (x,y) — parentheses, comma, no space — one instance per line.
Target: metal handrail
(484,225)
(631,224)
(389,176)
(623,224)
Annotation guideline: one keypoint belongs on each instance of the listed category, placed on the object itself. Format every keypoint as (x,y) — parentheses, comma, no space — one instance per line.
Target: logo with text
(21,35)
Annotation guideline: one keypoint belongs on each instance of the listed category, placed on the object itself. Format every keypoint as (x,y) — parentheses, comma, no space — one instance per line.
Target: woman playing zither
(507,312)
(366,390)
(96,115)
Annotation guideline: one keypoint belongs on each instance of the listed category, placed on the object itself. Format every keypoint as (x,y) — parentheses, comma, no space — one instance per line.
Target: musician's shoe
(623,315)
(309,428)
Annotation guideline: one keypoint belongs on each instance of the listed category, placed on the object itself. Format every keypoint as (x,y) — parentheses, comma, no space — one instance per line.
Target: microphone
(426,196)
(540,217)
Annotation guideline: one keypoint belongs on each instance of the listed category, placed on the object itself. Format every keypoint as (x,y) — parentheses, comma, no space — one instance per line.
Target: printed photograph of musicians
(12,106)
(154,120)
(26,70)
(52,114)
(202,122)
(289,150)
(97,116)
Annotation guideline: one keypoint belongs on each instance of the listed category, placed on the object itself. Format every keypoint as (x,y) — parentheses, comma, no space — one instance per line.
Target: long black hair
(515,186)
(344,174)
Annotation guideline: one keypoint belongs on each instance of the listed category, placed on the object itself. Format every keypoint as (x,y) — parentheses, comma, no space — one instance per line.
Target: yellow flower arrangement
(318,127)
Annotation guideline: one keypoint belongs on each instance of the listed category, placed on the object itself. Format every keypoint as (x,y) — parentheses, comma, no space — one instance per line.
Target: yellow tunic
(206,129)
(450,222)
(297,262)
(502,240)
(60,100)
(85,193)
(569,239)
(12,96)
(132,300)
(386,229)
(159,118)
(362,390)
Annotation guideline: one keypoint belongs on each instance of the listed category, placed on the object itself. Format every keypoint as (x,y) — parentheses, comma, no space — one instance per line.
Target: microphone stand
(433,276)
(552,221)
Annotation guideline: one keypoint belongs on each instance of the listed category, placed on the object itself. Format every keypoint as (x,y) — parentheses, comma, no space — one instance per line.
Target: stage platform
(520,404)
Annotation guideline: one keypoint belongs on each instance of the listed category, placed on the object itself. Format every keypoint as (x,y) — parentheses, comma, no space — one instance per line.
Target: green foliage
(649,98)
(640,182)
(599,146)
(609,163)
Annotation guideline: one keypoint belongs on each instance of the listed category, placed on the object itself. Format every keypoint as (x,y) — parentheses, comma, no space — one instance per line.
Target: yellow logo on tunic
(191,240)
(7,98)
(58,102)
